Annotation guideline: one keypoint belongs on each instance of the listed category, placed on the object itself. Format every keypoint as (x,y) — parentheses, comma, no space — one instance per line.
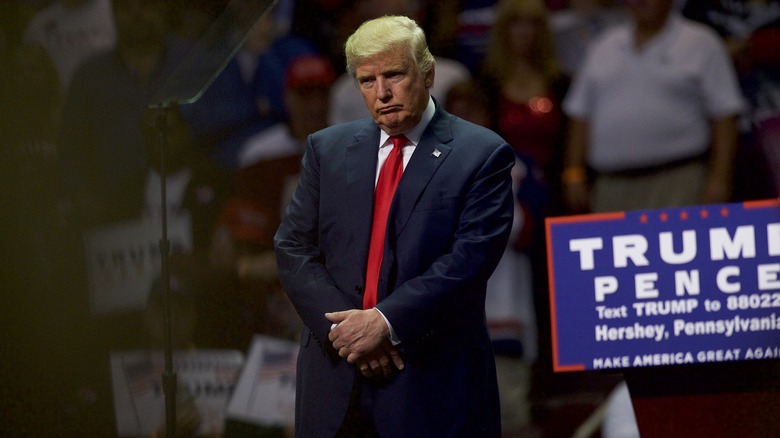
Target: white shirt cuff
(393,337)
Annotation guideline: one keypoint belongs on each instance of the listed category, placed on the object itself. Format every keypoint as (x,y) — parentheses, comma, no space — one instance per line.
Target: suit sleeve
(300,262)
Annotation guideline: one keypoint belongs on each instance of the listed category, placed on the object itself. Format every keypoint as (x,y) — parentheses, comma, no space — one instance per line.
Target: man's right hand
(362,337)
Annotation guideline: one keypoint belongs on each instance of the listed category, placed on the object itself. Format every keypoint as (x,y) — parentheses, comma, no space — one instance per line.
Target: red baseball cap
(309,71)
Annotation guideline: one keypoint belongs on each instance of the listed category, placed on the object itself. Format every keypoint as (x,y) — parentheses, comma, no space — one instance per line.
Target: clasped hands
(362,337)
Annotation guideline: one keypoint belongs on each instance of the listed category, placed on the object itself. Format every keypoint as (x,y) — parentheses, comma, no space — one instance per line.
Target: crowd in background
(80,149)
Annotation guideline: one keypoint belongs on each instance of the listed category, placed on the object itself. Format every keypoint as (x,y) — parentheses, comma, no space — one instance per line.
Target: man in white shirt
(653,113)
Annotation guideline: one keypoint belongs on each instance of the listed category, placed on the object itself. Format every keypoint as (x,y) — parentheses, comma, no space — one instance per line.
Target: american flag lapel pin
(436,153)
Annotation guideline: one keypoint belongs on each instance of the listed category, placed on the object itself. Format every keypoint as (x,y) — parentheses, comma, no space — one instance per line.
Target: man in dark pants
(395,341)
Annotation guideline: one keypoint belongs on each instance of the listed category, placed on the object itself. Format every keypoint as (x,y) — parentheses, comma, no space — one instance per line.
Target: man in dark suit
(406,354)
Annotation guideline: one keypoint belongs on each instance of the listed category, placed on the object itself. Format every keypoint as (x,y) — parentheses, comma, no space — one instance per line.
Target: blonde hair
(381,34)
(499,58)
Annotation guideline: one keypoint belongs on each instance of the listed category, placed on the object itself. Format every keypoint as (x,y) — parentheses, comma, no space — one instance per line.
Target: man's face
(307,109)
(650,12)
(140,23)
(394,90)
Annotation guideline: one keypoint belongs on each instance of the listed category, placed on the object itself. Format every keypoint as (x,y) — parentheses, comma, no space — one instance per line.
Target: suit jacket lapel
(361,157)
(429,154)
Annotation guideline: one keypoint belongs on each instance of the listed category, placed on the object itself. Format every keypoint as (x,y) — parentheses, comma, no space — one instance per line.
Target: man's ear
(429,78)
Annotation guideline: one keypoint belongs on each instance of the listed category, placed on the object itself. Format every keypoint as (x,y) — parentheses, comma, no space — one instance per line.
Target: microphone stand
(169,375)
(185,86)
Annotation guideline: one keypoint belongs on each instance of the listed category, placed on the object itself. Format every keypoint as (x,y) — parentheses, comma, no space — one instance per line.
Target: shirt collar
(415,134)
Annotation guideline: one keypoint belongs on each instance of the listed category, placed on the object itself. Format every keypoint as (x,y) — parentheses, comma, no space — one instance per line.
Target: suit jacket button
(358,290)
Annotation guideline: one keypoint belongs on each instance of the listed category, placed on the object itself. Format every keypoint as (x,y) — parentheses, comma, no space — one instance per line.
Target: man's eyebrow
(397,67)
(390,69)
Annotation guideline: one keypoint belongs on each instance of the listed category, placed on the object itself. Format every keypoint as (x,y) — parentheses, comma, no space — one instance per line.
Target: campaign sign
(205,380)
(665,287)
(265,393)
(123,259)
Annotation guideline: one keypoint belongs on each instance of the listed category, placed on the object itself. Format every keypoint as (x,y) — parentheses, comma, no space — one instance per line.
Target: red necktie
(389,176)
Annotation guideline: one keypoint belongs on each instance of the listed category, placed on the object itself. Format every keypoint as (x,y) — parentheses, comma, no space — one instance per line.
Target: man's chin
(392,125)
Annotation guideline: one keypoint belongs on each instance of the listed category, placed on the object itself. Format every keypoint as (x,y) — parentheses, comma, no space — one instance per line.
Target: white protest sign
(124,258)
(205,381)
(265,394)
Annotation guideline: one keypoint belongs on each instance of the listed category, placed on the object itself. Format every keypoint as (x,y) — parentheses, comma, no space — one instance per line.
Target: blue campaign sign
(665,287)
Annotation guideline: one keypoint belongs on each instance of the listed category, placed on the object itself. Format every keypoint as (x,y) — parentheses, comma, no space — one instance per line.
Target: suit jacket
(447,229)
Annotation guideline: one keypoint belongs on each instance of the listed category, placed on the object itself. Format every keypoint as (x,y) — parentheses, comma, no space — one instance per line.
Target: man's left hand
(357,333)
(382,362)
